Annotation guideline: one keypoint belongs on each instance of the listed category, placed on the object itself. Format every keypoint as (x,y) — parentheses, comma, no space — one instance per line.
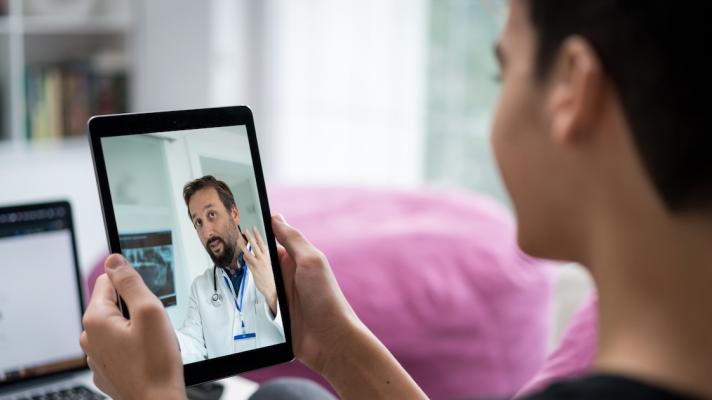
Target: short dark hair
(649,49)
(209,181)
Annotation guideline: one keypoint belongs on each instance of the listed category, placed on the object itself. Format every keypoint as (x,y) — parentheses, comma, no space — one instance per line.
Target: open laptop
(41,306)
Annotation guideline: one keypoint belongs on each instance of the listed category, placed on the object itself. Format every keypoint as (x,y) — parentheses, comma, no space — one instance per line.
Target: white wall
(52,172)
(194,54)
(172,54)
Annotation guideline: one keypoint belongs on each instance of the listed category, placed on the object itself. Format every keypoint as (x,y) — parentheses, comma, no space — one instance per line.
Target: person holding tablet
(233,304)
(602,137)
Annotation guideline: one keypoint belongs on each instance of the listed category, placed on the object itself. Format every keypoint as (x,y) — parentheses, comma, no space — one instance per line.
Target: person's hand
(327,336)
(260,266)
(131,358)
(321,318)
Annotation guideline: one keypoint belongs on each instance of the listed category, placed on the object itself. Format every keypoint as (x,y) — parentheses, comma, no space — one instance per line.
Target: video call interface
(189,220)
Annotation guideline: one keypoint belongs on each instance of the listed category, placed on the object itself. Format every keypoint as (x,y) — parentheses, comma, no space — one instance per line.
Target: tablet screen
(188,214)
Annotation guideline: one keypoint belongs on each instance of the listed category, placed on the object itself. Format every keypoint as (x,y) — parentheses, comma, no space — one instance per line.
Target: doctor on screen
(233,304)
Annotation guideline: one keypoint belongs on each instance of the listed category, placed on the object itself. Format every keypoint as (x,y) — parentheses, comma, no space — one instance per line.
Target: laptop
(41,306)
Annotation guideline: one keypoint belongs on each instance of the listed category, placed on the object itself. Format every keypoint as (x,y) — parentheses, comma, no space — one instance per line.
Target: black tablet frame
(170,121)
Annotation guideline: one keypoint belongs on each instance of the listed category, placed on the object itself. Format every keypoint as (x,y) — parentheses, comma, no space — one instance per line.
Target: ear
(235,214)
(577,87)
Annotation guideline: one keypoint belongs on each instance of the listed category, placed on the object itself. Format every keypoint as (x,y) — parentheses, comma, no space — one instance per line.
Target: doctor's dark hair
(209,181)
(652,53)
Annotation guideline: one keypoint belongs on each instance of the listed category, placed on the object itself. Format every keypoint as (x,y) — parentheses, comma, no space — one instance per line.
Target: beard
(228,253)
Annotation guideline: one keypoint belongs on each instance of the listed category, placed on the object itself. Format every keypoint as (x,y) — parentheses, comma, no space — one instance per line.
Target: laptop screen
(40,292)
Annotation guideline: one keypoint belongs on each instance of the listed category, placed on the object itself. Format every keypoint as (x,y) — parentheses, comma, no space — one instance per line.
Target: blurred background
(383,94)
(368,92)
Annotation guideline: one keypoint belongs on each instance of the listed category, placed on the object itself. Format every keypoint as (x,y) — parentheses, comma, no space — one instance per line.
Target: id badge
(244,336)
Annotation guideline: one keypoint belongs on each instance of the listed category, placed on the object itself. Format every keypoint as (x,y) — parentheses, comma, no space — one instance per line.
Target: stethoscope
(216,298)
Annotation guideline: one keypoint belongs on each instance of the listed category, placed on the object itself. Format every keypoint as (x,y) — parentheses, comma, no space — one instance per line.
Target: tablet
(184,200)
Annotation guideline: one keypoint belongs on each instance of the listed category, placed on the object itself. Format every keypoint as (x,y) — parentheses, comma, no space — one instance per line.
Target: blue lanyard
(242,290)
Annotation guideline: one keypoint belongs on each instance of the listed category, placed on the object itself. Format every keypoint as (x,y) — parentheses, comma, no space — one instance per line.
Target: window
(461,94)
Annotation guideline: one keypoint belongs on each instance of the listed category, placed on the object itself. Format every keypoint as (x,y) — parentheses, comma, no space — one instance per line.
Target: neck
(232,268)
(654,278)
(234,265)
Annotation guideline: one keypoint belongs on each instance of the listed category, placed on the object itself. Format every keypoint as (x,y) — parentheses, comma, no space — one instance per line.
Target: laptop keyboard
(75,393)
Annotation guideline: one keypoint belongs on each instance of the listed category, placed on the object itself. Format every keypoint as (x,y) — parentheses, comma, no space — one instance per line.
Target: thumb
(288,269)
(128,282)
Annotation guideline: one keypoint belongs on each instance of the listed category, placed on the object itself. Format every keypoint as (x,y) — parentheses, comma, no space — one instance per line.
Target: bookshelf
(60,62)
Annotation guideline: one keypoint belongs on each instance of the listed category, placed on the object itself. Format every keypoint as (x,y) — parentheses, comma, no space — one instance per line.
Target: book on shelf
(60,98)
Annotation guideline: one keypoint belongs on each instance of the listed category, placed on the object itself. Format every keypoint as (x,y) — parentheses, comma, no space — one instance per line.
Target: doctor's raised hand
(130,358)
(260,266)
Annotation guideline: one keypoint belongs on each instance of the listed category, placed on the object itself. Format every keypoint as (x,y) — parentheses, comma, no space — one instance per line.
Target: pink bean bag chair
(437,276)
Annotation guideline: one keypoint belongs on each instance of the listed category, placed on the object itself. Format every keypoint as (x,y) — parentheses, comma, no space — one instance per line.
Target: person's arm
(328,336)
(364,369)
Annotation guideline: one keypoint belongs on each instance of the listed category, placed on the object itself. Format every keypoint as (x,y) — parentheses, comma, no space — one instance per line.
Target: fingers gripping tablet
(184,201)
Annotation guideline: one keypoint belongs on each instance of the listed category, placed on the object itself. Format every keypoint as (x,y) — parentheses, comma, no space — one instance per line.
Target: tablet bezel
(171,121)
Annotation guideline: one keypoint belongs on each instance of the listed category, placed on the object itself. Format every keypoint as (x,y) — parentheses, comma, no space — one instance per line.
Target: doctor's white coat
(208,331)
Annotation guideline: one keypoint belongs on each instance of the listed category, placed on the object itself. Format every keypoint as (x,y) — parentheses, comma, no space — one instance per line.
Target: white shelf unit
(28,38)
